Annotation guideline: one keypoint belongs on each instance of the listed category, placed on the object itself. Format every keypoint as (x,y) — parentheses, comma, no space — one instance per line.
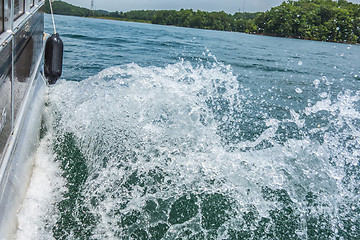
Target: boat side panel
(28,45)
(5,96)
(22,96)
(20,169)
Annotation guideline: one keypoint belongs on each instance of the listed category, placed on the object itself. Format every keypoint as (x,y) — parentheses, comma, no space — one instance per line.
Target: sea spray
(166,152)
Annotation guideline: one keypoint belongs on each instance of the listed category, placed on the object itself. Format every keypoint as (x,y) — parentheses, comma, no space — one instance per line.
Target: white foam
(37,214)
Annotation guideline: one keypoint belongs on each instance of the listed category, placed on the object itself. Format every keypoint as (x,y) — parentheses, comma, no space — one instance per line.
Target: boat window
(32,3)
(1,16)
(18,8)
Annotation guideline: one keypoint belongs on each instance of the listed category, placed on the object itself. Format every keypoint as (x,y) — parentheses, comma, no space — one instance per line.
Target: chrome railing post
(27,6)
(8,15)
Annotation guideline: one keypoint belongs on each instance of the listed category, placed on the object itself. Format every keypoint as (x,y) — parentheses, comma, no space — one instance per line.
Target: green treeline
(64,8)
(239,22)
(323,20)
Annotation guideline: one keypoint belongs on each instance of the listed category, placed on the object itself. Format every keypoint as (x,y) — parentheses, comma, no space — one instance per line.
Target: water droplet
(316,82)
(323,95)
(298,90)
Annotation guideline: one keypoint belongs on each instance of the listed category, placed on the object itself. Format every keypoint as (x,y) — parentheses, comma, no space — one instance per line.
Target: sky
(229,6)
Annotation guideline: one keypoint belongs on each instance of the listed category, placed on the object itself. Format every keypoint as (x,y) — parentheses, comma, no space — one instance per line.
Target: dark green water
(161,132)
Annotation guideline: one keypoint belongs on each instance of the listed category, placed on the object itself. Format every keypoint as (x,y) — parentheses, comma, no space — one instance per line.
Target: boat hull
(22,95)
(21,153)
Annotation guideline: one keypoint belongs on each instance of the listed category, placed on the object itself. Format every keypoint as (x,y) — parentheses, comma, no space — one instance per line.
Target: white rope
(52,15)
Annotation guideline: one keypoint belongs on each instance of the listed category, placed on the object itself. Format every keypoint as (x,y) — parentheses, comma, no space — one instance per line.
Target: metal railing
(13,13)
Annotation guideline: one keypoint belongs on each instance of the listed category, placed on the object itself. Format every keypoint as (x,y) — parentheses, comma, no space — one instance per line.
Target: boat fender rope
(52,15)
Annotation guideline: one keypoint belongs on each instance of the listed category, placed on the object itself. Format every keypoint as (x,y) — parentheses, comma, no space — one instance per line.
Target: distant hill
(322,20)
(64,8)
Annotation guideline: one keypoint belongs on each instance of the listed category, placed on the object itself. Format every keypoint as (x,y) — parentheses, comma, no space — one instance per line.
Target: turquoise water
(158,132)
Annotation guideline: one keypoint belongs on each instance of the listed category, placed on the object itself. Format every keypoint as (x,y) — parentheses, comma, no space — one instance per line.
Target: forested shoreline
(322,20)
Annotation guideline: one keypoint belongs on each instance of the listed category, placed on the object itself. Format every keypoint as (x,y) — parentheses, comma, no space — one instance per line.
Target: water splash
(165,152)
(38,213)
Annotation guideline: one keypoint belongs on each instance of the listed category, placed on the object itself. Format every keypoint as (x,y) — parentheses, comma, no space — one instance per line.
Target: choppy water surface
(160,132)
